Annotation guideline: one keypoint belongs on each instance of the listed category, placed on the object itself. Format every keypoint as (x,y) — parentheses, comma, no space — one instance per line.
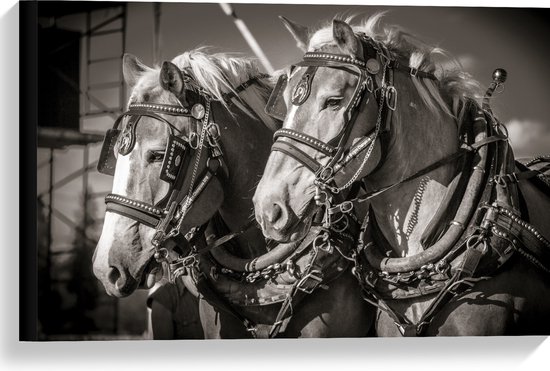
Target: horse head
(171,174)
(319,101)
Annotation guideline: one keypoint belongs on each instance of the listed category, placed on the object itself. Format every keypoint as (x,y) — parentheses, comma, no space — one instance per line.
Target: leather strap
(296,153)
(521,235)
(305,139)
(139,215)
(216,300)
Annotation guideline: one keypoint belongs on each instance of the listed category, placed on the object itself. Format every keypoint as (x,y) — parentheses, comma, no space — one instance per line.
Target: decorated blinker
(127,138)
(303,88)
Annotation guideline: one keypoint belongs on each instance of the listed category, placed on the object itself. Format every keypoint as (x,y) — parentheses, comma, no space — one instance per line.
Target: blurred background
(81,92)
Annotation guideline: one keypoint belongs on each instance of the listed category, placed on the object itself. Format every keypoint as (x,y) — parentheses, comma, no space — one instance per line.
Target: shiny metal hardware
(391,97)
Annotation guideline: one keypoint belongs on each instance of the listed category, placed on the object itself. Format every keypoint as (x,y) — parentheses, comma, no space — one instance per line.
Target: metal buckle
(310,275)
(325,173)
(413,71)
(369,84)
(391,93)
(214,134)
(193,140)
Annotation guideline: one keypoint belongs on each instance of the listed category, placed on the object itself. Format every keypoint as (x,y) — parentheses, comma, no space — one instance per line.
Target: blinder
(176,148)
(107,159)
(174,157)
(276,106)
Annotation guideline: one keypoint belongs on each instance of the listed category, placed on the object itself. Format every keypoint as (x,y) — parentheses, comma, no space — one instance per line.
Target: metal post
(50,216)
(249,38)
(85,160)
(156,33)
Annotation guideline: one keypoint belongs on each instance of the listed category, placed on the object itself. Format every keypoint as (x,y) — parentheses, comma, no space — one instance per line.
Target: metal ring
(369,84)
(193,140)
(325,173)
(346,207)
(391,92)
(340,230)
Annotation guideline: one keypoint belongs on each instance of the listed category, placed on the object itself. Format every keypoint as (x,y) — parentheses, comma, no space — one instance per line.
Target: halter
(377,63)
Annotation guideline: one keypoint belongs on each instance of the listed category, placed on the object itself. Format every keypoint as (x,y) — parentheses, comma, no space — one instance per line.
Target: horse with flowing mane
(186,158)
(455,240)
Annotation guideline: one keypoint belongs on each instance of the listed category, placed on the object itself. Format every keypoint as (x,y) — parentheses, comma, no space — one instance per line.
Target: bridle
(375,78)
(189,164)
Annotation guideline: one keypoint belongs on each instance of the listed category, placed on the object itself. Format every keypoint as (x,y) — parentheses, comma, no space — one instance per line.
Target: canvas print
(254,171)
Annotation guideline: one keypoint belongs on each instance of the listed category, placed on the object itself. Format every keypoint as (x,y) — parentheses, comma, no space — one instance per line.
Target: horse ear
(299,32)
(171,78)
(132,69)
(345,38)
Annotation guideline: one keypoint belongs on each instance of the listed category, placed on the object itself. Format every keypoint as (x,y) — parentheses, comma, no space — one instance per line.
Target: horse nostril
(113,275)
(278,217)
(274,213)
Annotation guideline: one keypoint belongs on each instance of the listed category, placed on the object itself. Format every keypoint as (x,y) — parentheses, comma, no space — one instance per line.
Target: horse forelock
(455,86)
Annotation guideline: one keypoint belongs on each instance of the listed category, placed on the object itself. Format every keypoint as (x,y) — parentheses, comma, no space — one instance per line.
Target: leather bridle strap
(291,150)
(141,212)
(308,140)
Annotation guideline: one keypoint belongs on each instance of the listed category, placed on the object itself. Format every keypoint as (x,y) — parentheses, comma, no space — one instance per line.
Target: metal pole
(50,216)
(156,33)
(85,161)
(243,28)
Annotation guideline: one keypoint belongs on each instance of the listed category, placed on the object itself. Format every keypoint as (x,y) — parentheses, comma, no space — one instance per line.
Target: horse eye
(154,156)
(333,103)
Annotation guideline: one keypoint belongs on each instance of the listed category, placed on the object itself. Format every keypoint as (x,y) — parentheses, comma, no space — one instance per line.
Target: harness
(189,165)
(167,215)
(476,242)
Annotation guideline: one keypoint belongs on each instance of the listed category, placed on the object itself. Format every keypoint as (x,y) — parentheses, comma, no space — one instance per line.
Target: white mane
(220,73)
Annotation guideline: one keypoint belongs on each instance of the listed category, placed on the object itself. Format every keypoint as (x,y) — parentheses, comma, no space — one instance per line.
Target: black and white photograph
(284,171)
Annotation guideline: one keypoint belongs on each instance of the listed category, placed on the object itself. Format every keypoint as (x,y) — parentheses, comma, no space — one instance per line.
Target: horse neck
(418,138)
(246,143)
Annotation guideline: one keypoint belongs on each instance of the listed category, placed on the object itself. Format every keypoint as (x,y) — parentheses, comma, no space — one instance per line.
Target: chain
(417,199)
(268,272)
(376,132)
(188,199)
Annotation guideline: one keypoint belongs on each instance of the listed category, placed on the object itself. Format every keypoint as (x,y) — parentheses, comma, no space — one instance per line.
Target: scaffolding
(101,100)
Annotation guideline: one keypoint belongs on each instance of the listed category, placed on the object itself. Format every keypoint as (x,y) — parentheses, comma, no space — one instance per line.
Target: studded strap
(142,212)
(308,140)
(168,109)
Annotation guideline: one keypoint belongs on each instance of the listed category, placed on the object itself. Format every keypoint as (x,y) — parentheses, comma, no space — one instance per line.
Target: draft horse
(455,240)
(186,157)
